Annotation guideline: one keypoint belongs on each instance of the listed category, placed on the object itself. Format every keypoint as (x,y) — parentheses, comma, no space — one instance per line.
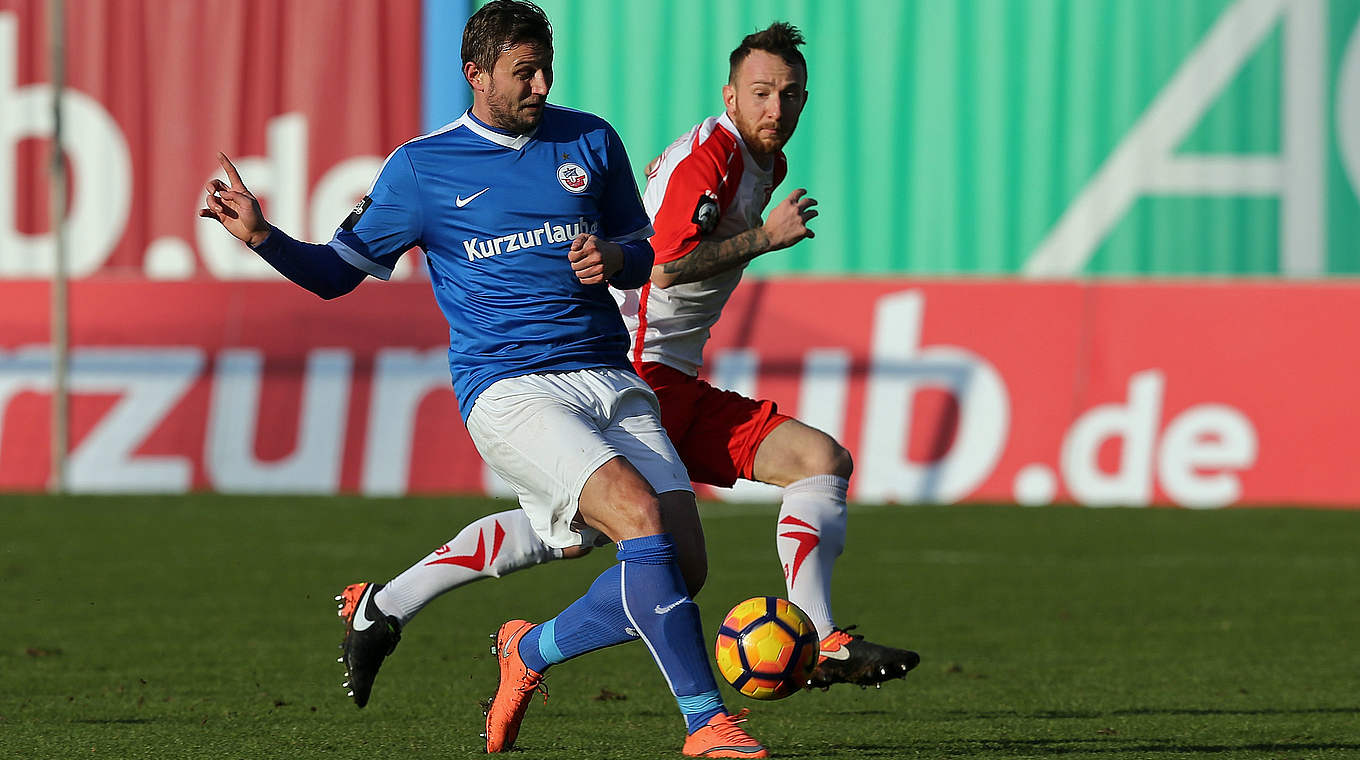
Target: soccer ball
(766,648)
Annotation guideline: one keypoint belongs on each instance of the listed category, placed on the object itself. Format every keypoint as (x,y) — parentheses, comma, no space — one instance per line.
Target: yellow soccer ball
(766,648)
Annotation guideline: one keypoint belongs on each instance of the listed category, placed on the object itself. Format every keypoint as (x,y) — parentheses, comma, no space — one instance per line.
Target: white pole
(60,350)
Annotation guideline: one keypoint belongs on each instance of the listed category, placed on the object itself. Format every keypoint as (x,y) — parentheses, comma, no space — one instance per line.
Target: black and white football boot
(370,636)
(849,658)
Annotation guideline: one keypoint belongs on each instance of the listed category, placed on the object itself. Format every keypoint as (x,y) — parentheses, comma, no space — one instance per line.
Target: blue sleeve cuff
(270,244)
(315,267)
(637,265)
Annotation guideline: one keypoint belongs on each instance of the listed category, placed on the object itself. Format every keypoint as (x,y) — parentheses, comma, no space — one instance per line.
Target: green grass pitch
(204,627)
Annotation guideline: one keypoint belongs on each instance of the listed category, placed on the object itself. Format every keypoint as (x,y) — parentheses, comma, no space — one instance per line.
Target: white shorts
(546,434)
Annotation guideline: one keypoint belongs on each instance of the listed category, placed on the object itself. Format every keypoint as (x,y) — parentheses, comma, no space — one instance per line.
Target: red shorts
(715,431)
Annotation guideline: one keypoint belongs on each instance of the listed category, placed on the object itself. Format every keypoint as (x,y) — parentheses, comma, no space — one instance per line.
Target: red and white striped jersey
(704,186)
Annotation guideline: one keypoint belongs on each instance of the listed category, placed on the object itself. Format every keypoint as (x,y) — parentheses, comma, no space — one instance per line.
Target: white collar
(513,142)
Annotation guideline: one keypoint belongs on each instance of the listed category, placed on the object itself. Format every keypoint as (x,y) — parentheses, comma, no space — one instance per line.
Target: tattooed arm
(786,225)
(711,257)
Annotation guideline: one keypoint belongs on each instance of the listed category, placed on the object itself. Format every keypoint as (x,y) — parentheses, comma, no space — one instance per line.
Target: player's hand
(234,206)
(787,222)
(593,259)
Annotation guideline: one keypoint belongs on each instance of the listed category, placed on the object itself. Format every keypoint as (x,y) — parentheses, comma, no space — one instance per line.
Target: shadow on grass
(1086,714)
(853,750)
(1117,746)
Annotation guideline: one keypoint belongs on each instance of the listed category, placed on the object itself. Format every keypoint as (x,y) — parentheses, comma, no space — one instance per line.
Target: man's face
(765,101)
(516,88)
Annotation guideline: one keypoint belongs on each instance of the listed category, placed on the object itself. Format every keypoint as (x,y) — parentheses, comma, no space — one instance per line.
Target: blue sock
(661,611)
(592,622)
(645,580)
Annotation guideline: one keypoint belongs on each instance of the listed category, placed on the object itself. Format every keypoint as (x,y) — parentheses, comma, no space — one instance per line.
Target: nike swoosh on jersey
(460,201)
(663,610)
(836,654)
(361,621)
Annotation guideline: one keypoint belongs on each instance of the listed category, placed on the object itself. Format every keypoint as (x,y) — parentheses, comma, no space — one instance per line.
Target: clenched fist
(594,259)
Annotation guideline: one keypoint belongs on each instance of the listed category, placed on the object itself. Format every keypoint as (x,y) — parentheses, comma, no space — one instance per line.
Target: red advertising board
(1201,395)
(303,95)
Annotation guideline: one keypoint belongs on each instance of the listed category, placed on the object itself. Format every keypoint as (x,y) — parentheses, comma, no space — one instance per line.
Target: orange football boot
(515,689)
(722,737)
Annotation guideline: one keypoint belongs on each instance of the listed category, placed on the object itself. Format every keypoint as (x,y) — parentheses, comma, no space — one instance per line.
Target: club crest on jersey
(573,178)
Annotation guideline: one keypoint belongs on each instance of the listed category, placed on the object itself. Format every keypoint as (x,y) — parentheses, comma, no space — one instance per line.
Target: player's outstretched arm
(315,267)
(785,225)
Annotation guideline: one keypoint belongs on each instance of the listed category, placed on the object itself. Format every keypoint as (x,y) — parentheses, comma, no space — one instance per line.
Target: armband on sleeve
(637,265)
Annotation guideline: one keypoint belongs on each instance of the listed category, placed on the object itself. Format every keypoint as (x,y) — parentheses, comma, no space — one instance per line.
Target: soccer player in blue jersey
(527,214)
(707,194)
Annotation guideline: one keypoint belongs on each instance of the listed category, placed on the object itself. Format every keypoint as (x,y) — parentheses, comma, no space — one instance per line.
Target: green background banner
(1035,137)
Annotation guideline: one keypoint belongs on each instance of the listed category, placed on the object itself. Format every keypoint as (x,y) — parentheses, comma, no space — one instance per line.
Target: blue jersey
(495,214)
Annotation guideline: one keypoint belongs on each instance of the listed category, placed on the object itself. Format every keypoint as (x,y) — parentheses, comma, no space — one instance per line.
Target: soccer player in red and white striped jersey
(707,194)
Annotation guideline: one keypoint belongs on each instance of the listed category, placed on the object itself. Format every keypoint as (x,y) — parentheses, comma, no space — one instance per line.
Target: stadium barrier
(1192,394)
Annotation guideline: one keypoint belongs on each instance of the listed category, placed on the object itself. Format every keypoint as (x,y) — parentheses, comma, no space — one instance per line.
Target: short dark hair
(501,24)
(780,38)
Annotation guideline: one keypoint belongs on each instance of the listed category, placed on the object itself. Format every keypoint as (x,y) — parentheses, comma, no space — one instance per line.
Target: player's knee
(618,502)
(638,514)
(828,458)
(843,463)
(575,552)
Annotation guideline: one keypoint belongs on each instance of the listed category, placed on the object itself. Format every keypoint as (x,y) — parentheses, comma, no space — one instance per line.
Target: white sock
(811,535)
(487,548)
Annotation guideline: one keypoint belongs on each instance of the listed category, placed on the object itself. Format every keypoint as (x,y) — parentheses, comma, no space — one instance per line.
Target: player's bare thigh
(794,451)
